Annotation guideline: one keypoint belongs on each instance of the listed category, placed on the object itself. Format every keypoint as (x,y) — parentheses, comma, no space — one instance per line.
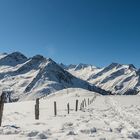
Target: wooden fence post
(82,105)
(76,109)
(85,102)
(55,109)
(2,98)
(92,99)
(37,109)
(68,107)
(88,102)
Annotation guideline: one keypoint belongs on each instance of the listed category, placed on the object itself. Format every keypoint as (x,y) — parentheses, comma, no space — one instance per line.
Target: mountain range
(36,77)
(120,79)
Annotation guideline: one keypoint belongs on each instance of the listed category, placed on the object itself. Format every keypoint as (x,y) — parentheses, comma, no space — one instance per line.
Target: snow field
(107,118)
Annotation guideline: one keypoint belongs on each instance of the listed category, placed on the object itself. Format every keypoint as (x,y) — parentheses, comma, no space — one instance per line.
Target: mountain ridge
(38,76)
(117,78)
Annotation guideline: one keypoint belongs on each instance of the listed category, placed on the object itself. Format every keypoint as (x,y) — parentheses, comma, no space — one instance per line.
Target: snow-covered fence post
(37,109)
(68,107)
(2,98)
(55,109)
(76,108)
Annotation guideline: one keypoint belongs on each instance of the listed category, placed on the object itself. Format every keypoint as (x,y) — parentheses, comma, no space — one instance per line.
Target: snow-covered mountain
(83,71)
(12,59)
(36,77)
(117,78)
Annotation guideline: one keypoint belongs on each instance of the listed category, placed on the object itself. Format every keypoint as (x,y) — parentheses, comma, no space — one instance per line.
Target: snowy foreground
(107,118)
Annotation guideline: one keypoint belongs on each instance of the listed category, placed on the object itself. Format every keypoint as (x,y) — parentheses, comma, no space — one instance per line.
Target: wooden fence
(84,103)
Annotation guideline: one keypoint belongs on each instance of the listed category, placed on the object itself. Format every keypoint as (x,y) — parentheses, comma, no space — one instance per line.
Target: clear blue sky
(96,32)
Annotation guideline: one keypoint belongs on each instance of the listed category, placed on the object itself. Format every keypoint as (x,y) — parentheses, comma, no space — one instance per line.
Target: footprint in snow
(10,129)
(42,136)
(68,124)
(32,133)
(71,133)
(89,131)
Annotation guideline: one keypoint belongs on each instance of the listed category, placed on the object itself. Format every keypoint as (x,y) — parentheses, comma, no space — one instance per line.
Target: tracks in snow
(128,118)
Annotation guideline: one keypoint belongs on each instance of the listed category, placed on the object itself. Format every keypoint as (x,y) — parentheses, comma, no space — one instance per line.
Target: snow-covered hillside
(107,118)
(117,78)
(37,77)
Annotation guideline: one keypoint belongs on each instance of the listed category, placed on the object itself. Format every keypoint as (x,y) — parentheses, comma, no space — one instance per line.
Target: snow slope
(107,118)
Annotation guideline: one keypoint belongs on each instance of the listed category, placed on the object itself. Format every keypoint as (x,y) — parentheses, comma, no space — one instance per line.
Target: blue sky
(96,32)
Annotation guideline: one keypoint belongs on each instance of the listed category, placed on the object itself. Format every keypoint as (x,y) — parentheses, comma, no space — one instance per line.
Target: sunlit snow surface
(107,118)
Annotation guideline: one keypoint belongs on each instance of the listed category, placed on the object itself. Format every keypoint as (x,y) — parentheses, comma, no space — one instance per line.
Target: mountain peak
(13,59)
(38,57)
(3,55)
(81,66)
(114,65)
(132,67)
(49,59)
(63,66)
(71,66)
(17,55)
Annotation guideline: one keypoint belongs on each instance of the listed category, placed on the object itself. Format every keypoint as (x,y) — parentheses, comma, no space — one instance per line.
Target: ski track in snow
(107,118)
